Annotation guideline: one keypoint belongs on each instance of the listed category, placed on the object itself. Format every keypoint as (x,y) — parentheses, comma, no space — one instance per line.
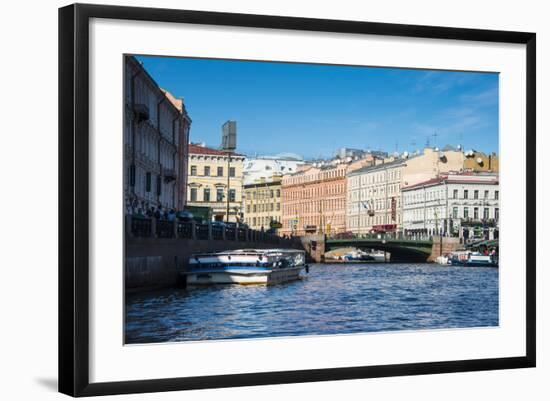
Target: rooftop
(204,150)
(483,178)
(381,166)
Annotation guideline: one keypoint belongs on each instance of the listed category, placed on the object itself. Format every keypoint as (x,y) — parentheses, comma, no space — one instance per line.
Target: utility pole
(228,185)
(360,206)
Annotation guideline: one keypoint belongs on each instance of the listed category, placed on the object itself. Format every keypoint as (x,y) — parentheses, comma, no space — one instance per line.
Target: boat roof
(251,252)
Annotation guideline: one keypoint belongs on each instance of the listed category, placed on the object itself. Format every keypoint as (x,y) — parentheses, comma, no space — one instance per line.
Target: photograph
(268,199)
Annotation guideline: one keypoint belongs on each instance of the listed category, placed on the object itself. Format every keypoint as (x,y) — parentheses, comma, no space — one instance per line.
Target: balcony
(141,112)
(169,174)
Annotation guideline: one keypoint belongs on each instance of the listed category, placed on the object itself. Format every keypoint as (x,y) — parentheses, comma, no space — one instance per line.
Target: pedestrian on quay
(158,213)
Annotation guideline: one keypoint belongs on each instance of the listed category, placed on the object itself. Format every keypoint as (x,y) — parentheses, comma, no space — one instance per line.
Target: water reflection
(332,299)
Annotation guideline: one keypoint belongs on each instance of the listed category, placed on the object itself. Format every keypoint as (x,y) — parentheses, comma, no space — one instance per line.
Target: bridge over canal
(409,250)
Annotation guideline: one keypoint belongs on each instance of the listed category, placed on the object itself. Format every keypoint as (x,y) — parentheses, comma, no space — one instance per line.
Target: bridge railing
(149,227)
(377,237)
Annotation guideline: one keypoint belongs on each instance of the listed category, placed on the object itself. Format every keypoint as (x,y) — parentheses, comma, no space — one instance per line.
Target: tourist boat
(246,266)
(473,259)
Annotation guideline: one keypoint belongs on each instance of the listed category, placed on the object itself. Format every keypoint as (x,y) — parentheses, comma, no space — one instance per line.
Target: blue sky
(314,109)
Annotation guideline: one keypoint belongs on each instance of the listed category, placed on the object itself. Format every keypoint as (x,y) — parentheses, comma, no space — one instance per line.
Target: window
(278,206)
(193,170)
(206,170)
(486,195)
(148,182)
(496,195)
(206,195)
(193,194)
(132,174)
(486,213)
(465,194)
(232,195)
(278,193)
(247,208)
(271,206)
(476,194)
(254,208)
(476,213)
(271,194)
(159,185)
(232,171)
(466,212)
(220,171)
(219,194)
(497,213)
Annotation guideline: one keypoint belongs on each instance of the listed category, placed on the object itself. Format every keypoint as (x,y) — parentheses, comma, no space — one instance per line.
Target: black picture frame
(74,198)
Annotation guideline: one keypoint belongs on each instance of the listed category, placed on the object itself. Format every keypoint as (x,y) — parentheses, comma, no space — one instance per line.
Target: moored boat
(443,260)
(357,256)
(245,266)
(473,259)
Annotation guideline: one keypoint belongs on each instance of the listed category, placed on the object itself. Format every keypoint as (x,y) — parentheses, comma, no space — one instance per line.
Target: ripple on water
(332,299)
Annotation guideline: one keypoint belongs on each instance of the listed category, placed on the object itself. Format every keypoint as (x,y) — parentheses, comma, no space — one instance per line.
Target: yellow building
(480,162)
(215,181)
(430,164)
(262,203)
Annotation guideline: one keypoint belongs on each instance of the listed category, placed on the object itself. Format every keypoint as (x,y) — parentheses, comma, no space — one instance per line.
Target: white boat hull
(265,277)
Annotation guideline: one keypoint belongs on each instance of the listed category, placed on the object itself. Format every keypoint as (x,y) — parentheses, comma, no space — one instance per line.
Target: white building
(374,198)
(264,168)
(460,205)
(156,132)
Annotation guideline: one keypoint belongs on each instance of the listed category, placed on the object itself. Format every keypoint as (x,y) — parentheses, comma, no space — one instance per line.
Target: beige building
(480,162)
(262,203)
(215,181)
(430,164)
(156,132)
(374,198)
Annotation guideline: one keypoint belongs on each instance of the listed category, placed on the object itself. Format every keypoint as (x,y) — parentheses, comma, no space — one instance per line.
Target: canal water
(331,299)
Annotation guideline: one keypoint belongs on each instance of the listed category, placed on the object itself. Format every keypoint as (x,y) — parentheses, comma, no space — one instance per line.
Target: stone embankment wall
(443,246)
(157,262)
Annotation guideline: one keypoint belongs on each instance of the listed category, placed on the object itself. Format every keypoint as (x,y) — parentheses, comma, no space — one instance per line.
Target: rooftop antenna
(435,135)
(428,141)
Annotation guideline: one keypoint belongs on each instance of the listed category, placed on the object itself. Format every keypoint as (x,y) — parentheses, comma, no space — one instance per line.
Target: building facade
(314,200)
(262,203)
(156,136)
(266,167)
(459,205)
(430,164)
(475,161)
(215,181)
(374,198)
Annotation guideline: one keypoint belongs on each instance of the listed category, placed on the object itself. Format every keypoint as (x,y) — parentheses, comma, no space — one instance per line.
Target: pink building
(314,200)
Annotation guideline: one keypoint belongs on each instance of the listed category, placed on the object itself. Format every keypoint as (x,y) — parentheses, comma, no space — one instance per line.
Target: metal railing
(141,227)
(165,229)
(148,227)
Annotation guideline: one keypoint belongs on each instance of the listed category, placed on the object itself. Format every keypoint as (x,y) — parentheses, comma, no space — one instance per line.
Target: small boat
(357,256)
(443,260)
(378,256)
(473,259)
(246,266)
